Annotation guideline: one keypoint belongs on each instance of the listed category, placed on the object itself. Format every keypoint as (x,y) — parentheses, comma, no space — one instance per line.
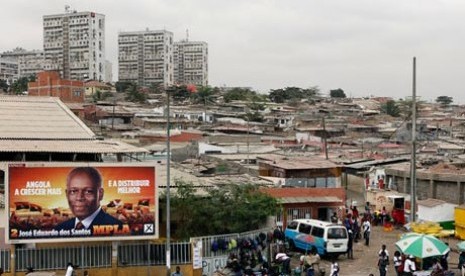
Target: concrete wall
(446,187)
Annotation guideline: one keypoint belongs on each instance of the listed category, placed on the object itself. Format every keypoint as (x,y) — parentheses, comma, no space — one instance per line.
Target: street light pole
(168,159)
(413,175)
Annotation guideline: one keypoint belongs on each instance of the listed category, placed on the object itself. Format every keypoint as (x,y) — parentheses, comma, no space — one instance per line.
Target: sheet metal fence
(128,254)
(139,254)
(57,258)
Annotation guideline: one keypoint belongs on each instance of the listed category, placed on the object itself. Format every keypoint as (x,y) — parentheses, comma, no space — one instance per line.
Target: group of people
(406,265)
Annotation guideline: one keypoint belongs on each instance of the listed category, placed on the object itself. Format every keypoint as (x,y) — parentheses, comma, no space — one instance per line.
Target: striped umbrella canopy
(421,246)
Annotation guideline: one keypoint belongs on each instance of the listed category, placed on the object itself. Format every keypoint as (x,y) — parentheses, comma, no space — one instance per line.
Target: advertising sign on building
(94,201)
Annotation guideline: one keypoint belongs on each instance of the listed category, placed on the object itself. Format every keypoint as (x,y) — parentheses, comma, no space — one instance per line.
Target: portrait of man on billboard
(84,191)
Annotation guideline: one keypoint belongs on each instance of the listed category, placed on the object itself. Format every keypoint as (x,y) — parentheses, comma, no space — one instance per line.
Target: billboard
(48,202)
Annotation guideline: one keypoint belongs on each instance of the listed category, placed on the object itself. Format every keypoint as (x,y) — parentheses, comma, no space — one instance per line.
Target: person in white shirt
(397,260)
(409,266)
(69,270)
(383,248)
(334,268)
(281,257)
(366,226)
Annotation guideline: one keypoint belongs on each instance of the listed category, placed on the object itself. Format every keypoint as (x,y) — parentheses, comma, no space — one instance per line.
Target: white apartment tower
(191,62)
(74,44)
(146,57)
(29,63)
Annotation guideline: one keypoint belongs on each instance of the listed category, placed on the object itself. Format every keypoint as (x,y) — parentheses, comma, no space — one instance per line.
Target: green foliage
(4,85)
(243,94)
(21,84)
(205,95)
(179,93)
(405,106)
(227,209)
(444,101)
(100,96)
(292,94)
(133,94)
(254,116)
(156,88)
(391,108)
(123,86)
(337,93)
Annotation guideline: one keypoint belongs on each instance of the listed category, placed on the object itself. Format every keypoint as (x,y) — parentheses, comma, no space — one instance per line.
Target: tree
(337,93)
(230,208)
(293,94)
(205,95)
(4,85)
(100,96)
(242,94)
(21,85)
(133,94)
(391,108)
(179,92)
(405,106)
(123,86)
(444,101)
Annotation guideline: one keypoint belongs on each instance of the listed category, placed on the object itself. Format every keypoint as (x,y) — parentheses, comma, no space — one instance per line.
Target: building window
(77,93)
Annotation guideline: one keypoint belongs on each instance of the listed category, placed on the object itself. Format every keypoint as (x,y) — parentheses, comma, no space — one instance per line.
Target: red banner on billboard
(99,201)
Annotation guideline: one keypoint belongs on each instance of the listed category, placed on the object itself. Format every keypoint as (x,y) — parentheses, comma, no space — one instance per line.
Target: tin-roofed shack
(303,203)
(301,171)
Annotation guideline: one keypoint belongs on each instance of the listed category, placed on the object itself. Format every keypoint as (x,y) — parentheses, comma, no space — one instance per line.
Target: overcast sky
(365,47)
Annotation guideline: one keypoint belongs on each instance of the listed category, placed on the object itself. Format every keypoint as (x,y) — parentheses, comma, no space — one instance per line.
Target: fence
(96,256)
(128,254)
(58,258)
(213,258)
(153,254)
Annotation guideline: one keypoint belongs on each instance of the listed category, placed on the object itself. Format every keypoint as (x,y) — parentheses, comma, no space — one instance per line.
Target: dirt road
(366,257)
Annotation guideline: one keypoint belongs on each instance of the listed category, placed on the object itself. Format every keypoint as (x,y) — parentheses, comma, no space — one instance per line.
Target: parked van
(327,238)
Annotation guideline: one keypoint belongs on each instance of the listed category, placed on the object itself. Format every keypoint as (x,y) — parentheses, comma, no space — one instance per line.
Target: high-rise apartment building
(28,62)
(191,62)
(146,57)
(8,69)
(108,71)
(74,45)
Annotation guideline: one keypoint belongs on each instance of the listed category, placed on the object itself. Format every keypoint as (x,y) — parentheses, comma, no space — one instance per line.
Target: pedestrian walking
(69,269)
(409,266)
(334,268)
(366,231)
(397,260)
(350,243)
(383,249)
(383,262)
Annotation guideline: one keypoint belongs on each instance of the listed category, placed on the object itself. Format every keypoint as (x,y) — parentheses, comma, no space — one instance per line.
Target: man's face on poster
(83,196)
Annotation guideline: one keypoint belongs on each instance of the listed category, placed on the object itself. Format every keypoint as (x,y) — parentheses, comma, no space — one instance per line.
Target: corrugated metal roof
(431,202)
(68,146)
(23,117)
(317,199)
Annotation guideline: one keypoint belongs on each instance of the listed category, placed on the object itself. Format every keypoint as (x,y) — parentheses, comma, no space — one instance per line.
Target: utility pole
(168,160)
(325,139)
(413,174)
